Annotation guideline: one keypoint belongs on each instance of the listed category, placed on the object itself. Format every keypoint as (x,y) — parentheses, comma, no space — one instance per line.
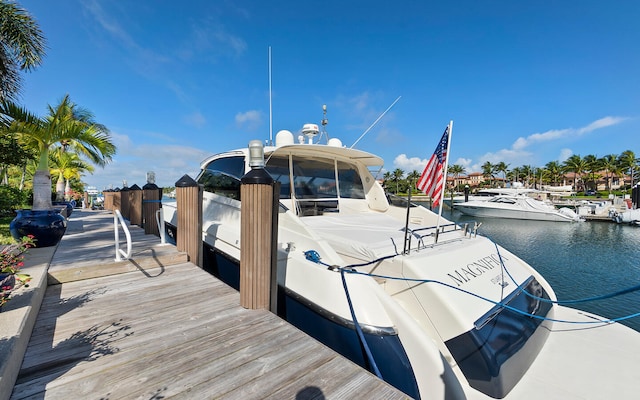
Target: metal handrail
(119,252)
(160,222)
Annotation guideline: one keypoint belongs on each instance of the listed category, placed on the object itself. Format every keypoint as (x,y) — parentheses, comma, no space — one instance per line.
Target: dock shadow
(53,361)
(145,271)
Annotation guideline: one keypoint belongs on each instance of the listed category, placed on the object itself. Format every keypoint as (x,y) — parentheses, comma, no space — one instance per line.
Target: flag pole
(444,185)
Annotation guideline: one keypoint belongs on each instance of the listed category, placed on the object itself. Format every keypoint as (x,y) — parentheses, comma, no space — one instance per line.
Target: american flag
(433,177)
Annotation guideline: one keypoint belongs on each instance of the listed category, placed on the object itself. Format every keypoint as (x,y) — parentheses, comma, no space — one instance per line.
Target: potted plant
(11,260)
(67,128)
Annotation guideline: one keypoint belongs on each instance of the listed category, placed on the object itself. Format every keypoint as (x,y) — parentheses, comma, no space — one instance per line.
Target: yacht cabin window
(222,176)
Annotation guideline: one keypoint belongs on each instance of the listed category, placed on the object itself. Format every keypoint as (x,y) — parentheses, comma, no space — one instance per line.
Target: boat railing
(117,219)
(469,229)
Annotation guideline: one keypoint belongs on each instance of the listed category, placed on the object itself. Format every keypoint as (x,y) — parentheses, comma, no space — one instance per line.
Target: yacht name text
(476,268)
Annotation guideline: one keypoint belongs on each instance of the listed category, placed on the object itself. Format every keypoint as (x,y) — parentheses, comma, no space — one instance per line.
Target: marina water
(580,260)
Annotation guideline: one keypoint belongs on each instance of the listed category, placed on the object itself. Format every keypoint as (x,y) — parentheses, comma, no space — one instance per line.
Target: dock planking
(170,331)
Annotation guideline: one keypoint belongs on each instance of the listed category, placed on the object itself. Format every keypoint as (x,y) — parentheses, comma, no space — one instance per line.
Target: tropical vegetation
(584,172)
(22,47)
(67,128)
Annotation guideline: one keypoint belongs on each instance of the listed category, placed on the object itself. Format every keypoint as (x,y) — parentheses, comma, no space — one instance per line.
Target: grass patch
(5,235)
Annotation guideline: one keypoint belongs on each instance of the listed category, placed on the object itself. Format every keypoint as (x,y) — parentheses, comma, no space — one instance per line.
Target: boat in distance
(441,312)
(517,207)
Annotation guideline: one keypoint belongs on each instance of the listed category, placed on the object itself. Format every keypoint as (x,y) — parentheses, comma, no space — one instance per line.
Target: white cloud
(409,164)
(555,134)
(601,123)
(521,143)
(564,155)
(518,155)
(249,120)
(133,161)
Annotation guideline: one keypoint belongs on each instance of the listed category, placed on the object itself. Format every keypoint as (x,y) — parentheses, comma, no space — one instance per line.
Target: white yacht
(517,207)
(516,189)
(435,309)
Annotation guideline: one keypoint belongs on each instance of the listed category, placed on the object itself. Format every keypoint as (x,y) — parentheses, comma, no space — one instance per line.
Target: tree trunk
(22,176)
(42,190)
(67,190)
(60,188)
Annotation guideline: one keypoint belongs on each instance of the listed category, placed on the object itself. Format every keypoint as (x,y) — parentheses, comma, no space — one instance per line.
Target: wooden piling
(151,203)
(115,205)
(124,202)
(258,222)
(189,222)
(108,199)
(135,205)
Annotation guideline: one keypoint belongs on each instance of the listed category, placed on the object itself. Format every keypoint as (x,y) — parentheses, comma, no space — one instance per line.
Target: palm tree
(22,47)
(456,170)
(608,163)
(629,163)
(577,165)
(554,170)
(66,124)
(528,171)
(387,177)
(514,174)
(593,166)
(397,175)
(502,167)
(487,171)
(413,179)
(67,166)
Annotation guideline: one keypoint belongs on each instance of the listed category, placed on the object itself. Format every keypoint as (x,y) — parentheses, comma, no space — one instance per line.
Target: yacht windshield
(316,178)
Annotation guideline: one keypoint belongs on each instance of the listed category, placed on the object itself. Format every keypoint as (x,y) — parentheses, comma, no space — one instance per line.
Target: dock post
(108,199)
(135,205)
(189,209)
(258,234)
(151,202)
(124,203)
(116,203)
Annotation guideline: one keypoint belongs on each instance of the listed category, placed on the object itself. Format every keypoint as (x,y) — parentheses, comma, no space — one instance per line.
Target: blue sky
(525,82)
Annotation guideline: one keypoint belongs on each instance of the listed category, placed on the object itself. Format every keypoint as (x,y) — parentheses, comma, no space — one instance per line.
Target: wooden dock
(158,327)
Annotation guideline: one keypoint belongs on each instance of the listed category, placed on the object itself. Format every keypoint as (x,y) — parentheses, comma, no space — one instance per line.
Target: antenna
(270,107)
(375,122)
(324,123)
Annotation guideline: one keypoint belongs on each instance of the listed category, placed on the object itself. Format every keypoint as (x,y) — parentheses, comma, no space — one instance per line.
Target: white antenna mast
(375,122)
(270,106)
(324,123)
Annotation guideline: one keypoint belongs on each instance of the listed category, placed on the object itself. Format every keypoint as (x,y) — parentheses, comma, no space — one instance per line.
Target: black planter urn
(46,226)
(67,204)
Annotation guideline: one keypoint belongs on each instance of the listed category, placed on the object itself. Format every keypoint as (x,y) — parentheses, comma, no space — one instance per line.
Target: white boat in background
(627,217)
(440,311)
(517,207)
(566,190)
(516,189)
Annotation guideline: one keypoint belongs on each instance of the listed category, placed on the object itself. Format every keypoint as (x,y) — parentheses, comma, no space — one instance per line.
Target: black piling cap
(186,181)
(135,187)
(257,176)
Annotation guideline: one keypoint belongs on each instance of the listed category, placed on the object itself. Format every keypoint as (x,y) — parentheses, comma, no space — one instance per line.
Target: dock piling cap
(186,181)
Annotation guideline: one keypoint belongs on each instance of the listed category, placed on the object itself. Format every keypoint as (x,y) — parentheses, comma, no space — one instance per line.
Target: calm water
(580,260)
